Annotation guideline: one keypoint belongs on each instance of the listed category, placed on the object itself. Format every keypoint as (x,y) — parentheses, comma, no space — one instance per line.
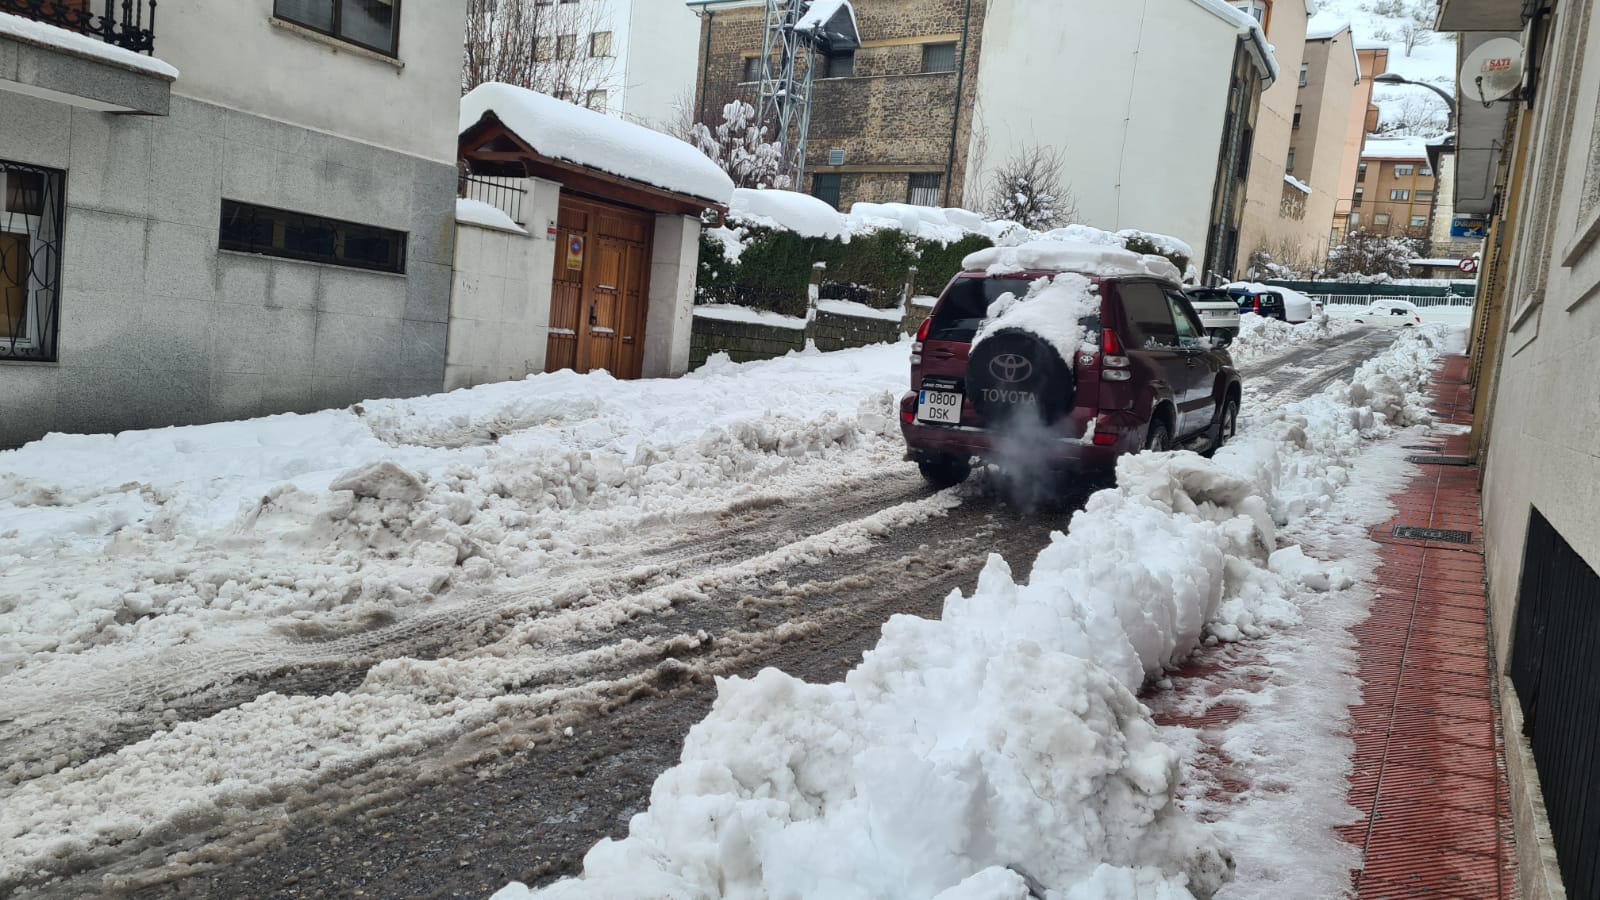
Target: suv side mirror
(1221,338)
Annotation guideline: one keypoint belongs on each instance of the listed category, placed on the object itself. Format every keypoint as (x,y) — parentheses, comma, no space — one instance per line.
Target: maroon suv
(1146,377)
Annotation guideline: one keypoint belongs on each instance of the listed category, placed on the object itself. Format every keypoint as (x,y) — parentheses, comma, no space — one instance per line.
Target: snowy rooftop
(30,32)
(1395,148)
(587,138)
(1325,26)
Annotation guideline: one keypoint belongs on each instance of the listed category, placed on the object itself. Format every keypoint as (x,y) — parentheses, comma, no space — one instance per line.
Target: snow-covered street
(297,649)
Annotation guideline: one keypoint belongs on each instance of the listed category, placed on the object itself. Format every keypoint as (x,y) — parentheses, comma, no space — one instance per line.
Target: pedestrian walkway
(1429,769)
(1429,765)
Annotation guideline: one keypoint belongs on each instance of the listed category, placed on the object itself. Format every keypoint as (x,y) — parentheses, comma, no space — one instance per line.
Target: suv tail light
(922,335)
(1113,360)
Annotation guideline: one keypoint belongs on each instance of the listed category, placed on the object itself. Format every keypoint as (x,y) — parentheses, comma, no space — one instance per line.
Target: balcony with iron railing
(129,24)
(97,54)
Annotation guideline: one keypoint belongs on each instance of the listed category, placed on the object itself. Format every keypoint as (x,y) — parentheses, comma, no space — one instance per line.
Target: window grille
(938,57)
(32,204)
(923,190)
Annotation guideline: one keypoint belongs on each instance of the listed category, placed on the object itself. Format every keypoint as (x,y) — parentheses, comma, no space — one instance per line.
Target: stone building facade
(891,124)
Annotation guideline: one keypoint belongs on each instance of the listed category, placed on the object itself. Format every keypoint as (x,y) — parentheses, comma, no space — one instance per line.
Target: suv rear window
(966,305)
(1209,296)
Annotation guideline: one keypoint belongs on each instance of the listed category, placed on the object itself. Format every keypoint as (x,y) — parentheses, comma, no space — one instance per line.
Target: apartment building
(257,218)
(942,93)
(1330,85)
(1363,120)
(1395,188)
(1527,165)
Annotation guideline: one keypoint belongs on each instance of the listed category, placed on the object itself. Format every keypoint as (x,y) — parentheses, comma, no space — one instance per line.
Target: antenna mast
(785,91)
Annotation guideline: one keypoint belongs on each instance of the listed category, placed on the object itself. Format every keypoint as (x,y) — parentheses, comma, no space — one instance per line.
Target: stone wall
(835,332)
(746,342)
(891,119)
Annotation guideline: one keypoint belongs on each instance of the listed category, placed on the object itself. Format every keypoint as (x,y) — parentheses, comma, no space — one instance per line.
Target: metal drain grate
(1444,535)
(1439,460)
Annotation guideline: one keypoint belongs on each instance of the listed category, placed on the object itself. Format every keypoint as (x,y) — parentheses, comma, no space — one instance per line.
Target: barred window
(753,68)
(291,235)
(923,190)
(938,57)
(31,206)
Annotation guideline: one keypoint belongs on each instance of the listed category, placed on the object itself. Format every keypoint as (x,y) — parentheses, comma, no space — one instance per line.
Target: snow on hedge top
(573,134)
(31,32)
(1054,309)
(926,222)
(802,214)
(1086,257)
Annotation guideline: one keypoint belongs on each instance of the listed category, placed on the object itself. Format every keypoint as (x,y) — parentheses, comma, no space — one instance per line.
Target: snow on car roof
(1085,258)
(570,133)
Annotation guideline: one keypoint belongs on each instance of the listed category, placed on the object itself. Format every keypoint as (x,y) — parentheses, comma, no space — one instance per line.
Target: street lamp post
(1449,101)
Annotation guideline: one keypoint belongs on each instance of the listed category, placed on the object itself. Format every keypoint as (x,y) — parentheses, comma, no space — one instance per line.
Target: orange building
(1394,188)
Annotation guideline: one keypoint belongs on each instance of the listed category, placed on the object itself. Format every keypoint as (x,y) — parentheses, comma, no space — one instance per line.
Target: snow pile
(1000,747)
(1165,244)
(802,214)
(477,212)
(568,132)
(1054,309)
(1261,336)
(1054,255)
(929,223)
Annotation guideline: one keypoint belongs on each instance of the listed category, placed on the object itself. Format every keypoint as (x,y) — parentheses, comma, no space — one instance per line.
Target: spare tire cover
(1014,373)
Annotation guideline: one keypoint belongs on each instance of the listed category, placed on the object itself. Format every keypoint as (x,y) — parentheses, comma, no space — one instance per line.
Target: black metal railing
(130,24)
(504,194)
(1558,684)
(32,204)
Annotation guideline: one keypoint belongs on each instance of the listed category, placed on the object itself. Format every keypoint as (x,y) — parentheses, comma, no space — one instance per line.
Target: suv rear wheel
(1159,438)
(1226,426)
(943,471)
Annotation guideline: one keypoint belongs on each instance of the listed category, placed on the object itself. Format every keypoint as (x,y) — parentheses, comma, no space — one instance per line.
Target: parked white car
(1217,309)
(1297,307)
(1391,314)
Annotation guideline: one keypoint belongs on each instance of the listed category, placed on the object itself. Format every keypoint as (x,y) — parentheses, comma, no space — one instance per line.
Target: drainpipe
(955,122)
(705,65)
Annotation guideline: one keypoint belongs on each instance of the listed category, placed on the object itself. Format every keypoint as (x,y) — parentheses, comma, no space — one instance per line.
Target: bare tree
(1366,254)
(1417,114)
(1416,28)
(1028,189)
(560,49)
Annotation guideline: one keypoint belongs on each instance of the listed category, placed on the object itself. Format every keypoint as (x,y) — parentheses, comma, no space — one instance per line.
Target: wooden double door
(602,286)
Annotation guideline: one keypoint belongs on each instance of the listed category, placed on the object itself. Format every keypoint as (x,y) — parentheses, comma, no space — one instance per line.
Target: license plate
(939,406)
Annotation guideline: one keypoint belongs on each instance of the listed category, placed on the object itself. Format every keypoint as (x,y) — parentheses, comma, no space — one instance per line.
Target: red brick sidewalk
(1429,770)
(1429,766)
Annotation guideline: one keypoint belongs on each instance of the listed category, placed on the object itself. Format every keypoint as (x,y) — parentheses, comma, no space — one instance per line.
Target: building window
(595,100)
(1399,194)
(1403,171)
(1425,195)
(1297,113)
(544,48)
(1360,194)
(1355,221)
(837,65)
(1425,172)
(1380,219)
(600,44)
(1419,221)
(1290,165)
(923,190)
(1305,72)
(826,188)
(1361,172)
(567,46)
(938,57)
(291,235)
(753,69)
(31,206)
(373,24)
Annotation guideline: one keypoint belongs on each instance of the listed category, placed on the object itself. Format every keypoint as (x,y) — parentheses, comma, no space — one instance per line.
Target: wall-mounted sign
(1469,227)
(575,252)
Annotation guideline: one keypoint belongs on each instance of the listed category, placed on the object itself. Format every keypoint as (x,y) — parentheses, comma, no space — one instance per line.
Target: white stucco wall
(674,263)
(500,296)
(659,49)
(231,53)
(1132,94)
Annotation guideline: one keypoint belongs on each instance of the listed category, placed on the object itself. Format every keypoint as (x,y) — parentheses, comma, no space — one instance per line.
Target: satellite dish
(1493,71)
